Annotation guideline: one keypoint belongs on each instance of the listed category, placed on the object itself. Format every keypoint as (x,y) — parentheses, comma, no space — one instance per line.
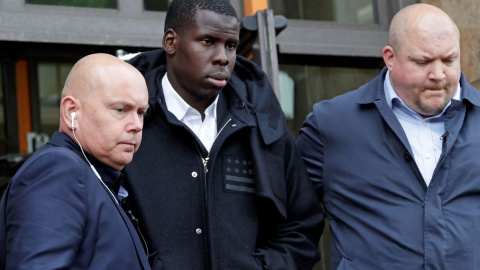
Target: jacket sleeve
(45,214)
(310,146)
(294,243)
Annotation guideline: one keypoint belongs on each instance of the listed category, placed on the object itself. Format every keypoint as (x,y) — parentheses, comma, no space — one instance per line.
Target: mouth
(129,145)
(219,79)
(436,88)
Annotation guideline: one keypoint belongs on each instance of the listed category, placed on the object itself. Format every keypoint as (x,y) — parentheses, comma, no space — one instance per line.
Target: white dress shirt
(205,130)
(424,135)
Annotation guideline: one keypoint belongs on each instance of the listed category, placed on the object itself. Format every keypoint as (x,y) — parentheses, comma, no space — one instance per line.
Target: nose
(437,71)
(135,123)
(221,56)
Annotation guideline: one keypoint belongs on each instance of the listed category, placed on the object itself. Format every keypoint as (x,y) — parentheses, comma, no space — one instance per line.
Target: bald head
(92,72)
(423,58)
(109,98)
(420,19)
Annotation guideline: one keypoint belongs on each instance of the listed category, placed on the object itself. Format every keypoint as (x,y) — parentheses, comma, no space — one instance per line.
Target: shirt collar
(177,106)
(109,175)
(391,95)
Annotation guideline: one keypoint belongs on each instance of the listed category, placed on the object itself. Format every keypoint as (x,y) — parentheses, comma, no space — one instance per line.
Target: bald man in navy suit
(61,210)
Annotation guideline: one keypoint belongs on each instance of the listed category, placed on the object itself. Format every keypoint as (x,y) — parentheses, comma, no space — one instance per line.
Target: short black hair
(181,13)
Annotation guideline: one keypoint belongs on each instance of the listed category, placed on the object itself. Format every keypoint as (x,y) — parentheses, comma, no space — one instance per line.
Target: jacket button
(198,231)
(240,105)
(407,156)
(194,174)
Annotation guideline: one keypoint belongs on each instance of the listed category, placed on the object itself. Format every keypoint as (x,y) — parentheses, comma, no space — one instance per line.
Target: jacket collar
(108,174)
(249,94)
(469,93)
(374,90)
(109,177)
(251,84)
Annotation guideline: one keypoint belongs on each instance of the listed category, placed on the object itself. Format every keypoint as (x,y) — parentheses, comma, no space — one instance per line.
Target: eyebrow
(452,54)
(128,103)
(424,56)
(209,36)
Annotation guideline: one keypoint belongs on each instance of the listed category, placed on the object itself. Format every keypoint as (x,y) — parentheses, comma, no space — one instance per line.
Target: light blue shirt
(424,135)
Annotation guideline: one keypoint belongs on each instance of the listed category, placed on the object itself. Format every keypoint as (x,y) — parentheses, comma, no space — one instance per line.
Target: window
(77,3)
(311,84)
(156,5)
(342,11)
(51,78)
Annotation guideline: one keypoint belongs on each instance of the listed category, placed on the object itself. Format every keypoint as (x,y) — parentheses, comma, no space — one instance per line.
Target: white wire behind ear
(73,115)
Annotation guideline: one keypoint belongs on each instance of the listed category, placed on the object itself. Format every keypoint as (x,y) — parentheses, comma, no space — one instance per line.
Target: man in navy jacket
(218,182)
(396,162)
(61,210)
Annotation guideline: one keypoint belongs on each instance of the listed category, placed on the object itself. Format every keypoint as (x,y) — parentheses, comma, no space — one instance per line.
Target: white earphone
(73,115)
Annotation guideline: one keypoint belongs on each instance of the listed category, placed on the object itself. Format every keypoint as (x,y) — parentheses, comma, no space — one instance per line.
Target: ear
(388,57)
(68,105)
(170,39)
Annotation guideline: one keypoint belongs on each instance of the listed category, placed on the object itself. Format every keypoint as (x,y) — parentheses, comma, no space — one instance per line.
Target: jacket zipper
(205,171)
(206,159)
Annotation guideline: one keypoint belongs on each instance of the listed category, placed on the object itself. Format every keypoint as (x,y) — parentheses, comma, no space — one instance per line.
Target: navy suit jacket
(381,213)
(56,214)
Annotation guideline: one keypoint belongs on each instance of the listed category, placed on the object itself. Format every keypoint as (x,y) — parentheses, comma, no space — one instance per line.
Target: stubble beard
(432,109)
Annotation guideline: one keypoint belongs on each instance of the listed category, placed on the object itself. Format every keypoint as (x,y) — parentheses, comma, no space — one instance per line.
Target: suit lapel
(133,234)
